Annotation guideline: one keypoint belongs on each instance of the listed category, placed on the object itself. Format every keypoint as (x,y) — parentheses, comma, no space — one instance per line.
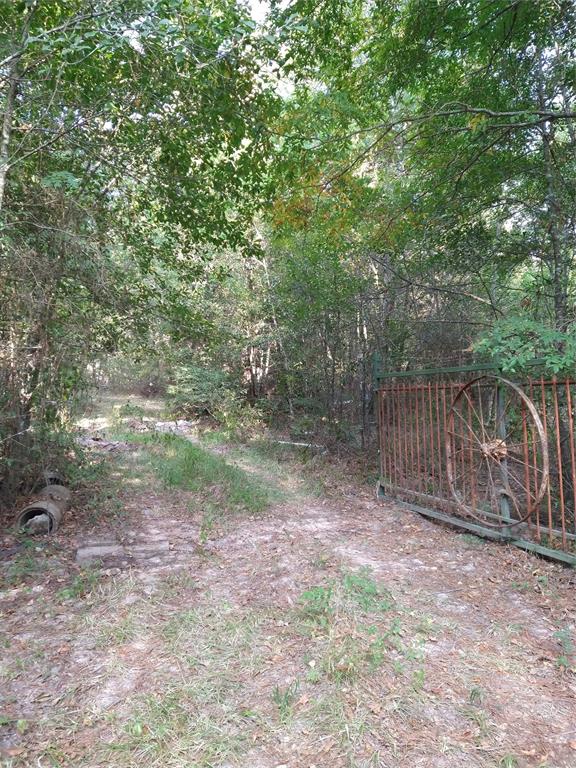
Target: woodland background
(249,216)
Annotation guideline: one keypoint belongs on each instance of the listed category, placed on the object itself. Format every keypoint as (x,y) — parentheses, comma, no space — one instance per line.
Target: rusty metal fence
(479,450)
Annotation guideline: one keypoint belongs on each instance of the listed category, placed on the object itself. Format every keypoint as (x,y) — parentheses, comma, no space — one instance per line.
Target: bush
(199,391)
(516,341)
(147,377)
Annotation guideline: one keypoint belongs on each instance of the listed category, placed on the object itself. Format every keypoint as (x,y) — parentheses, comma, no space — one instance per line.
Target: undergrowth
(179,463)
(323,470)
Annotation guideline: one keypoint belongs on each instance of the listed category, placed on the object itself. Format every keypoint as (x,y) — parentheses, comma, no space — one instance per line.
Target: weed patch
(347,646)
(316,605)
(80,585)
(361,588)
(564,638)
(34,559)
(179,463)
(284,699)
(171,730)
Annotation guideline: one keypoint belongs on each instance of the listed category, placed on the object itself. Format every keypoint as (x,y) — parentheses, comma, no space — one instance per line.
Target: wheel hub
(495,449)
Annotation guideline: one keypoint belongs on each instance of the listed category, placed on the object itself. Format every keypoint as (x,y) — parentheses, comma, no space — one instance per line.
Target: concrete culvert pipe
(52,477)
(58,493)
(41,516)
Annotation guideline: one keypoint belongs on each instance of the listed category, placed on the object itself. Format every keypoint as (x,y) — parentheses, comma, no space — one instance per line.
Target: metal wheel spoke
(512,476)
(492,484)
(525,464)
(481,412)
(502,417)
(461,475)
(474,435)
(469,399)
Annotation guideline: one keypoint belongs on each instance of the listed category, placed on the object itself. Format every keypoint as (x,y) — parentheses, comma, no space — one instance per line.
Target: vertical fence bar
(471,456)
(407,436)
(381,432)
(462,424)
(572,457)
(398,456)
(545,423)
(389,436)
(444,425)
(393,437)
(401,434)
(538,509)
(415,392)
(500,415)
(385,441)
(439,444)
(399,449)
(431,427)
(389,440)
(410,411)
(559,460)
(424,422)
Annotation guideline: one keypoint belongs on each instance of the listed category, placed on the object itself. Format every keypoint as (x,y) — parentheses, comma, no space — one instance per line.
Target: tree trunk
(283,355)
(13,80)
(558,260)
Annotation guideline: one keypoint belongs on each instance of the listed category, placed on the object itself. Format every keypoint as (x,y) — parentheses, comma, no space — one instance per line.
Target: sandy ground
(329,630)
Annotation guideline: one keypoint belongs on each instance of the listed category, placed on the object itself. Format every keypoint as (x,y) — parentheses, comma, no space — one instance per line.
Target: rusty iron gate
(479,450)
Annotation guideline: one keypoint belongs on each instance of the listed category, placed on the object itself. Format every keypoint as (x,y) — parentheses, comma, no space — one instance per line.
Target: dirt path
(294,631)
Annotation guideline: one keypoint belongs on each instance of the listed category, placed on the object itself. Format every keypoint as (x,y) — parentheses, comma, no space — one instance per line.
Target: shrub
(516,341)
(198,391)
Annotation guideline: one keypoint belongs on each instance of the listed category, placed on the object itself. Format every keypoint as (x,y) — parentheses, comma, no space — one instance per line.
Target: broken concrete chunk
(38,524)
(151,546)
(90,554)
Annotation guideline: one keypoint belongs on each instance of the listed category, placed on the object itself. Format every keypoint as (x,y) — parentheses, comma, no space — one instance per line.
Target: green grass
(198,717)
(179,463)
(508,761)
(316,605)
(270,459)
(280,452)
(355,592)
(361,588)
(284,699)
(81,585)
(117,632)
(351,631)
(171,730)
(564,638)
(22,566)
(35,559)
(476,695)
(479,718)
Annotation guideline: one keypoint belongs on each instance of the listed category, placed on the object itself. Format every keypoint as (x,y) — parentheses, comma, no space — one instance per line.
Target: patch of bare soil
(328,631)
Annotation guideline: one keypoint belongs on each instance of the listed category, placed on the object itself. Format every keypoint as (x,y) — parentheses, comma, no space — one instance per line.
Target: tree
(131,146)
(475,102)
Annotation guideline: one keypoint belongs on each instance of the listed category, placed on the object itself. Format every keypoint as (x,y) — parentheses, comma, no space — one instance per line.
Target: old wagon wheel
(496,452)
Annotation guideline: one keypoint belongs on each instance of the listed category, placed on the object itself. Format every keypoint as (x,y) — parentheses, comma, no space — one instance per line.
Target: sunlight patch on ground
(96,424)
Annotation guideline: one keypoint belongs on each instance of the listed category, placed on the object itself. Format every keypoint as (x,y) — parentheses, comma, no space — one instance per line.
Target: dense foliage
(132,147)
(267,209)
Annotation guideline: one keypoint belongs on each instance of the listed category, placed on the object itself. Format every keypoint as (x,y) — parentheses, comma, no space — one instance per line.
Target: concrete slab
(99,552)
